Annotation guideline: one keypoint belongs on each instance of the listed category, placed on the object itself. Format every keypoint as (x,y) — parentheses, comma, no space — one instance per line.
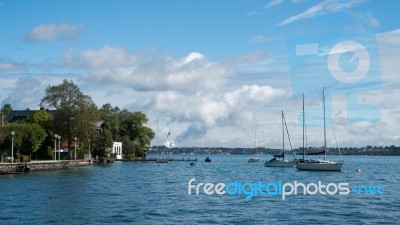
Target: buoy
(358,170)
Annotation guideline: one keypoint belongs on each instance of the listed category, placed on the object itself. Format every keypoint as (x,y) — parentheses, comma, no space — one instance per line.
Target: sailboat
(318,165)
(279,160)
(254,159)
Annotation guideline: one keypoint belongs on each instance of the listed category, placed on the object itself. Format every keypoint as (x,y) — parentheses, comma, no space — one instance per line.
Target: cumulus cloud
(194,131)
(26,92)
(234,108)
(325,7)
(6,66)
(148,71)
(53,32)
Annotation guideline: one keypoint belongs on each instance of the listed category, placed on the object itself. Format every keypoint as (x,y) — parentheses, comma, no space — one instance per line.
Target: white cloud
(325,7)
(234,108)
(273,3)
(27,92)
(53,32)
(9,66)
(150,70)
(252,13)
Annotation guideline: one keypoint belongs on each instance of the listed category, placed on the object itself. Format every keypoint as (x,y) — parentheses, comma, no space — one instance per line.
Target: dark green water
(150,193)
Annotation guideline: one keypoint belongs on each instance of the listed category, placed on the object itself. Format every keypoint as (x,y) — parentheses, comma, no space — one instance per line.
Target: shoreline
(18,168)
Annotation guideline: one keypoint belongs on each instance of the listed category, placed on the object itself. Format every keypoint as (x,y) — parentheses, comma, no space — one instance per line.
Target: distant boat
(208,159)
(318,165)
(279,159)
(254,159)
(161,160)
(193,164)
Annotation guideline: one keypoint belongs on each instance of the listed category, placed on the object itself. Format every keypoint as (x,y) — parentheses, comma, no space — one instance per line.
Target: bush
(49,153)
(24,158)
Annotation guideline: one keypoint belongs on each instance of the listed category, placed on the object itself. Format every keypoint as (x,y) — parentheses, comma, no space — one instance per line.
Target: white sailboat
(318,165)
(254,159)
(279,160)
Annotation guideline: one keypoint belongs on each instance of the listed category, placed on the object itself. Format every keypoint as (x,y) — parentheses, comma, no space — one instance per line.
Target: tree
(128,127)
(76,114)
(102,143)
(27,138)
(111,118)
(6,109)
(133,125)
(42,118)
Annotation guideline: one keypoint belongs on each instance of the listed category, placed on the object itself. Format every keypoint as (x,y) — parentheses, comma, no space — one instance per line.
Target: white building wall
(117,150)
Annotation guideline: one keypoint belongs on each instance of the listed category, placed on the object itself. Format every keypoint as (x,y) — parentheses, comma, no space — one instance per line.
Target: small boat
(208,159)
(279,159)
(253,159)
(161,160)
(318,165)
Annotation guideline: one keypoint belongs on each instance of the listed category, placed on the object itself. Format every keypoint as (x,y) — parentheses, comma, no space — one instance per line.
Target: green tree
(102,143)
(27,138)
(6,109)
(128,127)
(76,115)
(135,129)
(111,118)
(42,118)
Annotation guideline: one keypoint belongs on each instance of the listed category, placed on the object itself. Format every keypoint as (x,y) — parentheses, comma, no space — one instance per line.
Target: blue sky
(214,71)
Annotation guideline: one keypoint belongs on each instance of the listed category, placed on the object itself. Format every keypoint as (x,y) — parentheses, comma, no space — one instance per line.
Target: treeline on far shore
(367,150)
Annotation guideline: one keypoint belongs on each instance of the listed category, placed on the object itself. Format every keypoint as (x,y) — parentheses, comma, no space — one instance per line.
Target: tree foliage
(76,114)
(128,127)
(27,138)
(42,118)
(76,117)
(6,109)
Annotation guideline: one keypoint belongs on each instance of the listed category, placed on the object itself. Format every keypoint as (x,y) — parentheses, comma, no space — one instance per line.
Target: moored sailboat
(318,165)
(279,160)
(254,159)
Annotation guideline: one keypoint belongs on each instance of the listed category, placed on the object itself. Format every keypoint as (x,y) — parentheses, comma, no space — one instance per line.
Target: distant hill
(368,150)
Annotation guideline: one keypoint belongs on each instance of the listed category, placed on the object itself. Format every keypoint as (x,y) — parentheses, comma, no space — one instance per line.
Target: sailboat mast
(283,134)
(304,118)
(157,138)
(283,137)
(323,99)
(255,141)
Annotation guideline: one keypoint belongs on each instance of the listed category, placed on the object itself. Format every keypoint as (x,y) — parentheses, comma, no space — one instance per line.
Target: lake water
(150,193)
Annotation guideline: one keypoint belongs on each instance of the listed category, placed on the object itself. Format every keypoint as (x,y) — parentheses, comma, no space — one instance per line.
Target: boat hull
(253,160)
(162,161)
(320,166)
(279,164)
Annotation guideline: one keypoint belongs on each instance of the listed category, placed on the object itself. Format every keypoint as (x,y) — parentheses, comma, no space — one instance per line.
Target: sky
(216,73)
